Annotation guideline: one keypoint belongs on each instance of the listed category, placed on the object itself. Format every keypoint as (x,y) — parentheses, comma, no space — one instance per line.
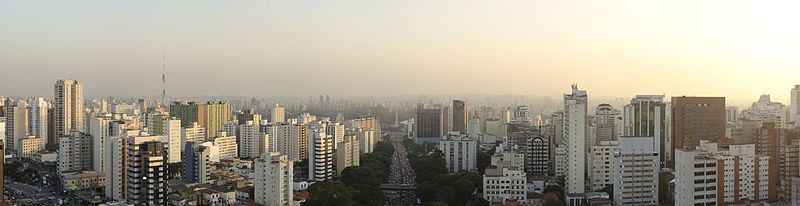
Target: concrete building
(82,180)
(602,169)
(794,104)
(371,122)
(366,140)
(708,176)
(605,124)
(501,184)
(765,110)
(648,116)
(429,125)
(460,117)
(193,133)
(509,160)
(75,152)
(170,127)
(337,131)
(576,134)
(252,143)
(278,114)
(636,168)
(28,146)
(228,148)
(248,115)
(537,156)
(695,119)
(68,108)
(732,115)
(291,140)
(186,112)
(37,118)
(16,122)
(273,179)
(196,163)
(459,152)
(100,129)
(347,153)
(213,115)
(138,172)
(320,156)
(560,159)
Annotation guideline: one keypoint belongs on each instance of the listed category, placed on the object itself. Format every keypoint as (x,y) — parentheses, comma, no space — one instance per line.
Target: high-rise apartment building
(278,114)
(228,149)
(647,116)
(794,107)
(248,115)
(130,158)
(708,176)
(695,119)
(320,156)
(186,112)
(366,140)
(213,115)
(560,160)
(100,129)
(193,133)
(196,163)
(576,134)
(636,168)
(273,179)
(75,152)
(601,172)
(537,156)
(37,118)
(459,152)
(429,125)
(605,124)
(765,110)
(372,122)
(16,122)
(68,108)
(460,117)
(252,143)
(336,130)
(501,184)
(347,153)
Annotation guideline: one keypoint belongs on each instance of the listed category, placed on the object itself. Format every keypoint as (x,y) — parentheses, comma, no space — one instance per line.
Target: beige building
(28,146)
(347,153)
(695,119)
(82,180)
(227,145)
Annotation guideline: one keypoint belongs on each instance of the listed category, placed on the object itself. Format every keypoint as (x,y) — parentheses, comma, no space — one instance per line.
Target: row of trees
(358,185)
(437,186)
(15,172)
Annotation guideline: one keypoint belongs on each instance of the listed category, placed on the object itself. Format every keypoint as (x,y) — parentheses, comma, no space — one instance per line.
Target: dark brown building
(695,119)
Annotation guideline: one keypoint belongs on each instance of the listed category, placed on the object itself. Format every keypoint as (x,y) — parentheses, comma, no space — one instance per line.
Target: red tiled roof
(300,196)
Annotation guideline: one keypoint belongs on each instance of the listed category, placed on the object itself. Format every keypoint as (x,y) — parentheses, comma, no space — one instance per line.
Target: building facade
(696,119)
(273,179)
(460,117)
(636,168)
(459,152)
(576,134)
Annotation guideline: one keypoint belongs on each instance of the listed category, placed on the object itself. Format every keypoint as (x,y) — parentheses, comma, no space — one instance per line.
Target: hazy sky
(361,48)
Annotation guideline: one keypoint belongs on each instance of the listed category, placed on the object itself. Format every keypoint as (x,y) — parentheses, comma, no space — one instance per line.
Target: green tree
(483,160)
(53,147)
(174,170)
(366,186)
(329,193)
(553,202)
(555,189)
(479,202)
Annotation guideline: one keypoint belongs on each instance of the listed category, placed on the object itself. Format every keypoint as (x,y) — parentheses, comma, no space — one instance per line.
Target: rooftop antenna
(163,79)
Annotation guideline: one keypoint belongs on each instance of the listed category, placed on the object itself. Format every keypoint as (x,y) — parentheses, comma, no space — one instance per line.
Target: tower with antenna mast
(163,80)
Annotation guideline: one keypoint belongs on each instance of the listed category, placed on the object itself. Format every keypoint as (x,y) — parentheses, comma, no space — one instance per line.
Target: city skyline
(444,48)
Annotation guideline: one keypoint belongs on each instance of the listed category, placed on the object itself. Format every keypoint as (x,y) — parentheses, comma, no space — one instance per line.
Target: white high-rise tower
(68,108)
(795,104)
(575,132)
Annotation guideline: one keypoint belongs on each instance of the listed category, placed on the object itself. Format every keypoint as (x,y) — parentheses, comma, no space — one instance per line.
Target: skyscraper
(636,168)
(347,153)
(429,125)
(605,124)
(794,108)
(37,118)
(273,179)
(575,132)
(196,163)
(460,117)
(646,116)
(75,152)
(187,112)
(695,119)
(320,157)
(278,114)
(213,115)
(68,108)
(248,115)
(252,143)
(16,122)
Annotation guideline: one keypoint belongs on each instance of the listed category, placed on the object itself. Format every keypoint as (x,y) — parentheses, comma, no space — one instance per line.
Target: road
(403,175)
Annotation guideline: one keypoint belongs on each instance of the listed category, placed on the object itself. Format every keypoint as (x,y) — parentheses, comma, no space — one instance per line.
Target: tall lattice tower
(163,80)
